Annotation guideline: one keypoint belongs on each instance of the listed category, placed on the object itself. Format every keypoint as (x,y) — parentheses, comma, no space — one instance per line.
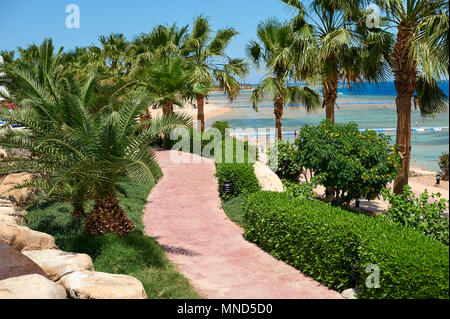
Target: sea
(371,106)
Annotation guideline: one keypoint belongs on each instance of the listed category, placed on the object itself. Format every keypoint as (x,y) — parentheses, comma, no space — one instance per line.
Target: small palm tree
(419,59)
(211,64)
(168,82)
(274,49)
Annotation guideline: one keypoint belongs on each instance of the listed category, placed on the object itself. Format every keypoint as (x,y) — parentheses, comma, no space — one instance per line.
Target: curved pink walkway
(183,214)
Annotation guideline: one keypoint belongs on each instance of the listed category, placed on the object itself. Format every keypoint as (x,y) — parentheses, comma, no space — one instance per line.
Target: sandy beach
(211,111)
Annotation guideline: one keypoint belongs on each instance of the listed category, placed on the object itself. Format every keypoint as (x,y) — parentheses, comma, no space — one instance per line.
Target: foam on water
(368,111)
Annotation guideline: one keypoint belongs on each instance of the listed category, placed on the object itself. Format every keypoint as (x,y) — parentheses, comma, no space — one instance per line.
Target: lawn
(135,254)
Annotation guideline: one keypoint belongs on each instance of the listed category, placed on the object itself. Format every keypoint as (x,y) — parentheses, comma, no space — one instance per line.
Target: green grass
(135,254)
(233,209)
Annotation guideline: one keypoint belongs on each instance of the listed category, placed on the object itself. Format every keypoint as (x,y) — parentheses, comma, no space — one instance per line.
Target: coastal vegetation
(328,243)
(331,44)
(352,164)
(419,58)
(85,120)
(273,48)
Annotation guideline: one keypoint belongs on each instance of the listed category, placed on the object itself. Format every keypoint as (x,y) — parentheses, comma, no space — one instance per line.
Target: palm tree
(83,154)
(210,63)
(274,49)
(81,150)
(419,60)
(336,46)
(168,82)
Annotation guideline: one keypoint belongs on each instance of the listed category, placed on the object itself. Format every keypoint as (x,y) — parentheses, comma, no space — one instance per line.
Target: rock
(20,196)
(15,264)
(22,238)
(5,203)
(58,263)
(98,285)
(16,179)
(31,287)
(3,154)
(9,215)
(10,219)
(6,210)
(19,153)
(350,294)
(17,195)
(268,180)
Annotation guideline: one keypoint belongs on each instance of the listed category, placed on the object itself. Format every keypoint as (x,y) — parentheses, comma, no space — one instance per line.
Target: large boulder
(58,263)
(9,215)
(268,180)
(16,179)
(18,196)
(22,238)
(98,285)
(31,287)
(3,154)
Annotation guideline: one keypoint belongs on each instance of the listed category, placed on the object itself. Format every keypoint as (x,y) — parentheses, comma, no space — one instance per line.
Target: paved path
(183,214)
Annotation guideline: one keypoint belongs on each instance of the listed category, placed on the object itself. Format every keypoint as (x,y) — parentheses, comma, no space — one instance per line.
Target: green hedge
(241,175)
(325,242)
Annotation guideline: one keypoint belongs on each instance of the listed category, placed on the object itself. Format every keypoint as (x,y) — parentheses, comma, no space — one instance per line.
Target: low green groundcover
(326,243)
(136,254)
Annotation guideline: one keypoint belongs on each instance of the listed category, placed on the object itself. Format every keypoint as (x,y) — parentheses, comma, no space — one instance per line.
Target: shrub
(443,164)
(285,155)
(241,175)
(325,242)
(221,126)
(299,190)
(355,164)
(419,213)
(228,145)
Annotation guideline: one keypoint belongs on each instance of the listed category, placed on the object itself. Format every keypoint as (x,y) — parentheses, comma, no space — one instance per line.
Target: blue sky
(25,22)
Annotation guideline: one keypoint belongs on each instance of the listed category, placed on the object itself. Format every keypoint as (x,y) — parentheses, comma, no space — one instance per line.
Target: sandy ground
(190,109)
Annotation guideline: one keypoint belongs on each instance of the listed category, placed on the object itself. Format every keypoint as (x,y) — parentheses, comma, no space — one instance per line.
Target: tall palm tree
(274,49)
(419,60)
(332,44)
(211,64)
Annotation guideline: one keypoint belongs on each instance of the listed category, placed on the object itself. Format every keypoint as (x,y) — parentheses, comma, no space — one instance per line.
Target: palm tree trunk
(403,141)
(329,97)
(201,111)
(108,217)
(78,210)
(168,108)
(278,110)
(405,83)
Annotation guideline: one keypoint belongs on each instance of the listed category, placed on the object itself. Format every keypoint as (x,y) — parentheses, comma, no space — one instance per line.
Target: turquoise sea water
(369,111)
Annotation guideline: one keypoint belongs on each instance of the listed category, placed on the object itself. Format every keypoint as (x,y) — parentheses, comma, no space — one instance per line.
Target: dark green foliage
(421,213)
(136,254)
(222,126)
(241,175)
(443,164)
(355,164)
(286,155)
(325,242)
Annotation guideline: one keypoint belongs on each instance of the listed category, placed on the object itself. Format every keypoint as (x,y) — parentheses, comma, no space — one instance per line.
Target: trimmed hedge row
(325,242)
(241,175)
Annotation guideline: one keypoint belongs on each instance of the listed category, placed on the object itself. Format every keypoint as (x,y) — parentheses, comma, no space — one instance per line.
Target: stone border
(70,271)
